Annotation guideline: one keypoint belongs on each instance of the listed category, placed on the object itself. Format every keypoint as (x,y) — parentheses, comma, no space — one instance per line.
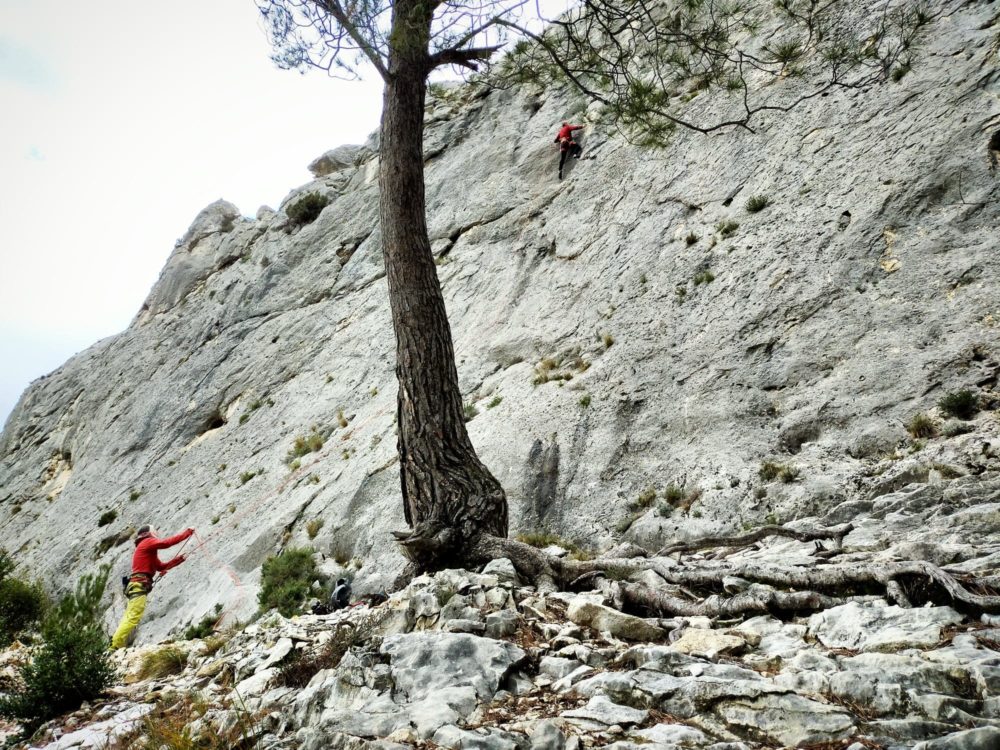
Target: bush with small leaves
(286,580)
(962,404)
(307,208)
(205,626)
(107,517)
(72,666)
(757,203)
(22,603)
(673,494)
(922,426)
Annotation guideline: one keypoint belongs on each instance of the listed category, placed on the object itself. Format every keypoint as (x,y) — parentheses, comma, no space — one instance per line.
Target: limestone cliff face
(610,332)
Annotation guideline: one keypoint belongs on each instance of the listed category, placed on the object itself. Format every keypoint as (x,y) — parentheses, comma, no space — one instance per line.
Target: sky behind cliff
(121,120)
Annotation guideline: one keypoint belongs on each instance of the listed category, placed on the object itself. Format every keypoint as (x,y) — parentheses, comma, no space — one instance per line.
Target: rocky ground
(479,660)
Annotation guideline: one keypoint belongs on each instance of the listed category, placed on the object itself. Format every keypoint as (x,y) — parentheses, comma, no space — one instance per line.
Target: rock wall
(612,337)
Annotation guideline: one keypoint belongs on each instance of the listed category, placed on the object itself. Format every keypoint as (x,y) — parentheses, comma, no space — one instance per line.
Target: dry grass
(163,662)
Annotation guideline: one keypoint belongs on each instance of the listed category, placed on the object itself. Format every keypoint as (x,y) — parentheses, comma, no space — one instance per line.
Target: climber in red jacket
(145,564)
(567,146)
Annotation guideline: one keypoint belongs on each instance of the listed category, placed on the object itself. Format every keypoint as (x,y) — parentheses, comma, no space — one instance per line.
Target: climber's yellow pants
(133,613)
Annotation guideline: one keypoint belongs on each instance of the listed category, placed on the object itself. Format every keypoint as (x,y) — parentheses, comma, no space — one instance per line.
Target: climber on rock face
(567,146)
(145,565)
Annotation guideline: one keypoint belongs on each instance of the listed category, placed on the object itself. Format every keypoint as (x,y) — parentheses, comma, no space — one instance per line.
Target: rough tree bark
(449,496)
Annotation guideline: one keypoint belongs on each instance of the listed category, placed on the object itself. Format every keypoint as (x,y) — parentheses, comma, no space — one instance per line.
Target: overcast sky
(119,121)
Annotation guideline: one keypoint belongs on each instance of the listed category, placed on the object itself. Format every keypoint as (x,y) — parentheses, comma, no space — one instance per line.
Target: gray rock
(423,663)
(879,627)
(608,620)
(601,711)
(340,158)
(983,738)
(504,570)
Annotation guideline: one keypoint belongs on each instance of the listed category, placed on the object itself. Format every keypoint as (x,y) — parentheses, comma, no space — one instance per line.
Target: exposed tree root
(755,599)
(773,588)
(836,533)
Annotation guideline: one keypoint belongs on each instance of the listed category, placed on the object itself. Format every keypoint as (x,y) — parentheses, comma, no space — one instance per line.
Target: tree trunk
(449,496)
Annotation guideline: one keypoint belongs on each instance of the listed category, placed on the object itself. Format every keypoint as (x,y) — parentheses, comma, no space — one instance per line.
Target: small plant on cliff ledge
(470,412)
(286,579)
(757,203)
(770,471)
(107,517)
(726,228)
(307,208)
(922,426)
(311,443)
(962,404)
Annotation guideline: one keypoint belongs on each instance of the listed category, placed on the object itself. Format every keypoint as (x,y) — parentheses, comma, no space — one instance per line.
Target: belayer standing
(145,565)
(567,145)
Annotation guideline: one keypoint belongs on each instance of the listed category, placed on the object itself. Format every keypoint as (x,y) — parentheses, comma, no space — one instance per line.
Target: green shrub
(757,203)
(286,580)
(162,663)
(957,428)
(585,400)
(134,495)
(704,277)
(204,627)
(72,665)
(673,494)
(494,402)
(107,517)
(307,208)
(22,605)
(246,476)
(470,412)
(962,404)
(922,426)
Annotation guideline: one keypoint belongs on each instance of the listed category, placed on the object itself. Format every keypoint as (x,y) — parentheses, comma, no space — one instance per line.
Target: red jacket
(566,131)
(145,560)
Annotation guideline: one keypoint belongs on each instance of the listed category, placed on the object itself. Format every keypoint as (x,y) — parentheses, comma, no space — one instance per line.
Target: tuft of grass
(646,497)
(107,517)
(963,404)
(215,520)
(313,527)
(585,400)
(922,426)
(608,340)
(295,465)
(769,471)
(726,228)
(341,419)
(691,239)
(246,476)
(470,412)
(302,445)
(704,277)
(204,627)
(494,402)
(673,495)
(134,495)
(757,203)
(163,662)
